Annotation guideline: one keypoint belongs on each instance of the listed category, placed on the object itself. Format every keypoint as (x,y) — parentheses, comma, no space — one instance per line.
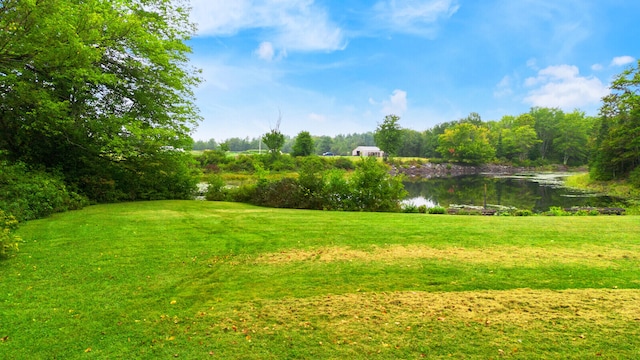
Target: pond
(536,192)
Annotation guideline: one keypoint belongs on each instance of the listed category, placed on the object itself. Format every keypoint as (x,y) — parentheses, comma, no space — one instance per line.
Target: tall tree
(303,145)
(573,137)
(466,143)
(518,136)
(274,139)
(388,135)
(618,143)
(100,90)
(546,126)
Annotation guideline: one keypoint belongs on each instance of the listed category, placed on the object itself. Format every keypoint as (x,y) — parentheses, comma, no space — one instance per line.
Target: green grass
(620,189)
(200,280)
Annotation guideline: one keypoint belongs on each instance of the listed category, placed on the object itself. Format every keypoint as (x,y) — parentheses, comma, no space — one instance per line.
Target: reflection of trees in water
(519,193)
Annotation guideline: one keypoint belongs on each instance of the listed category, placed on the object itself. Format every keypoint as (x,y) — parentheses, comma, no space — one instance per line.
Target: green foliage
(466,143)
(410,208)
(303,145)
(375,189)
(617,145)
(437,210)
(557,211)
(634,177)
(369,188)
(216,189)
(521,212)
(99,91)
(388,135)
(212,160)
(8,240)
(31,194)
(274,141)
(344,163)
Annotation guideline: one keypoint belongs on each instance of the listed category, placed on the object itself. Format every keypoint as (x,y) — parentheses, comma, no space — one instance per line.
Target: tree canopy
(101,91)
(617,148)
(388,135)
(466,143)
(303,145)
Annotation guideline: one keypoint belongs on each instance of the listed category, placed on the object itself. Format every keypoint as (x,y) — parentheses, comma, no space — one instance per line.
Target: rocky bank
(430,170)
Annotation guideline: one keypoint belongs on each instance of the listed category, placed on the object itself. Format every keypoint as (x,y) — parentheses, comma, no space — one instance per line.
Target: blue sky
(338,67)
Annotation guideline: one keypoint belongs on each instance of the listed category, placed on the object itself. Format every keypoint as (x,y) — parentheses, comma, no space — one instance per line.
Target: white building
(367,151)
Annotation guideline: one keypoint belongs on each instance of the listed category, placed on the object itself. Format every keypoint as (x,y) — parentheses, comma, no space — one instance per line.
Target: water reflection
(535,192)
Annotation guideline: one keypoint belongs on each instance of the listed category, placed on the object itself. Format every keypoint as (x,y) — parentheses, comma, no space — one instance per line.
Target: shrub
(344,163)
(437,210)
(521,212)
(8,241)
(337,193)
(31,194)
(557,211)
(283,193)
(374,188)
(422,209)
(216,190)
(410,208)
(243,193)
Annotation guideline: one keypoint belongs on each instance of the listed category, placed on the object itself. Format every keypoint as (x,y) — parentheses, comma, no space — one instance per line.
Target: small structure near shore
(367,151)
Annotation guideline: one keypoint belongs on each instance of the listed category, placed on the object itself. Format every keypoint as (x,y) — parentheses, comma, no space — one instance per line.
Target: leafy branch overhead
(99,90)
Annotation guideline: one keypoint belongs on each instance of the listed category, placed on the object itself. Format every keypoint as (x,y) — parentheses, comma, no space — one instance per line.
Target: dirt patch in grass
(514,306)
(379,320)
(506,256)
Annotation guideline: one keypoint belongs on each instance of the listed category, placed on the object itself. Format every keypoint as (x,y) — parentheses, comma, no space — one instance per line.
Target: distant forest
(542,135)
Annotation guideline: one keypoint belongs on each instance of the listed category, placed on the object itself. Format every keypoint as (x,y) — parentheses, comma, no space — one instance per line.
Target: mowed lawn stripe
(199,279)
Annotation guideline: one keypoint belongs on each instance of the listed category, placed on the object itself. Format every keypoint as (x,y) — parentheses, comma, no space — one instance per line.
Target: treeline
(339,145)
(540,136)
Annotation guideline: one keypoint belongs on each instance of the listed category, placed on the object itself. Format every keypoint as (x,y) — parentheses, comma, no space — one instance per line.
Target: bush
(422,209)
(374,188)
(31,194)
(243,193)
(410,208)
(283,193)
(8,241)
(437,210)
(557,211)
(523,213)
(344,163)
(216,190)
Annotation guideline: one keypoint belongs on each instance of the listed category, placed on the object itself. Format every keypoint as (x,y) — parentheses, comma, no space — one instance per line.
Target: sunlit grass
(196,280)
(620,189)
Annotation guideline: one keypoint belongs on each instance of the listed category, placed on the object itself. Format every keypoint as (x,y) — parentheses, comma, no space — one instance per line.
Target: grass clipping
(385,316)
(506,256)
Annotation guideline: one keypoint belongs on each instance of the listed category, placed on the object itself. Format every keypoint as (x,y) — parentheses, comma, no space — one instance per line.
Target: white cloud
(562,86)
(317,118)
(597,67)
(415,16)
(397,103)
(296,25)
(265,51)
(503,88)
(622,60)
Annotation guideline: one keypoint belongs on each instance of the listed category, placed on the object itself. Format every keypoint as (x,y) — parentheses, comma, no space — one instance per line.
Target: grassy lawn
(196,280)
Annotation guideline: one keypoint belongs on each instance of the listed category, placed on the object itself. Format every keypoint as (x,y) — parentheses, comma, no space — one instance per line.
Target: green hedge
(31,194)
